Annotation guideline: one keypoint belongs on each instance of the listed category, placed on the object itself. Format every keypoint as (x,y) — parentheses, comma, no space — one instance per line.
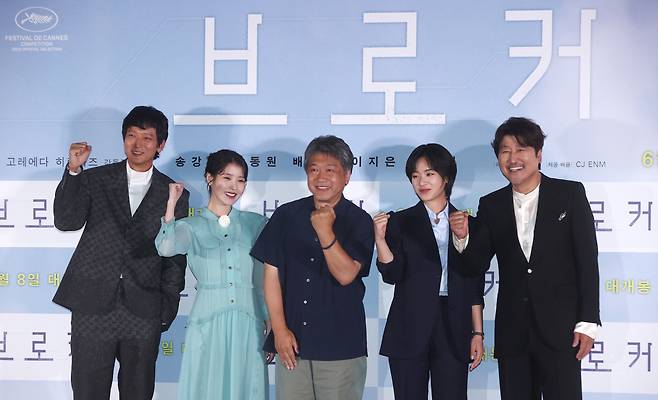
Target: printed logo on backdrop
(37,31)
(36,19)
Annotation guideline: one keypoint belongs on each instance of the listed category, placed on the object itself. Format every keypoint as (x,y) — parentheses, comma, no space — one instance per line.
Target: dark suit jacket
(116,256)
(561,280)
(416,273)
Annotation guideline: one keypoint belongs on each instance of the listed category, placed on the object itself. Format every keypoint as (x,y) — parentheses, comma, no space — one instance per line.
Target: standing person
(316,252)
(542,232)
(223,357)
(121,293)
(434,325)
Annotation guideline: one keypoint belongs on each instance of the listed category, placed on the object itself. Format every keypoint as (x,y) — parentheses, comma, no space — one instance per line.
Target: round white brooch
(224,221)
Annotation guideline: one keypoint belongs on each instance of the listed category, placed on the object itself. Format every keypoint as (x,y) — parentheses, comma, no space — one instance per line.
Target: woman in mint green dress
(222,357)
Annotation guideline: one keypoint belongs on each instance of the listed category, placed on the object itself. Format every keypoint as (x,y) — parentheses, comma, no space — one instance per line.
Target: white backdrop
(264,77)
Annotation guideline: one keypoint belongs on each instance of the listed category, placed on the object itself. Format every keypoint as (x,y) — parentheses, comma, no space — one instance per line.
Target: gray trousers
(322,380)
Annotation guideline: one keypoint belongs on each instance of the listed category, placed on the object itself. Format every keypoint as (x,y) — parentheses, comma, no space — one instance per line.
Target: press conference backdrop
(264,77)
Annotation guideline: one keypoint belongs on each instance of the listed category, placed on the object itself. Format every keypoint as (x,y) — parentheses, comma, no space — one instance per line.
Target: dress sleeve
(174,237)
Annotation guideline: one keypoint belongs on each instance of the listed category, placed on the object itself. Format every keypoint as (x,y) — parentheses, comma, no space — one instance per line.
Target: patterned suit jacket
(116,259)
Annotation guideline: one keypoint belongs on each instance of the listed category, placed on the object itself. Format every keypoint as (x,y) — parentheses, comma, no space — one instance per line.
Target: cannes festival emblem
(36,19)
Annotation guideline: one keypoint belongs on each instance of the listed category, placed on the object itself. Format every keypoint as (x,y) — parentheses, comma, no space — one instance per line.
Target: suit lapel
(155,197)
(542,214)
(452,252)
(421,229)
(119,190)
(508,218)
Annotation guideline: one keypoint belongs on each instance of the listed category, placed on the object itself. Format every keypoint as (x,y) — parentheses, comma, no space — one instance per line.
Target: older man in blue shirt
(316,251)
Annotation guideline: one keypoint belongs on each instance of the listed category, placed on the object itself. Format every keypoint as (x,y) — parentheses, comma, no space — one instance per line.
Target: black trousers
(540,371)
(449,375)
(98,340)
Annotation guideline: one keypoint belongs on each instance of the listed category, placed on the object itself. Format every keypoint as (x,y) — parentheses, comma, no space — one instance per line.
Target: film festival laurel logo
(36,19)
(34,22)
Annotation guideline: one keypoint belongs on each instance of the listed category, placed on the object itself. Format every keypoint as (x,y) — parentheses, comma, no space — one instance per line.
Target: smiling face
(326,178)
(227,186)
(428,184)
(141,146)
(519,164)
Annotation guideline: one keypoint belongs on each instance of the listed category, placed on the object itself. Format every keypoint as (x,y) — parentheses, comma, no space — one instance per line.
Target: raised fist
(78,155)
(175,192)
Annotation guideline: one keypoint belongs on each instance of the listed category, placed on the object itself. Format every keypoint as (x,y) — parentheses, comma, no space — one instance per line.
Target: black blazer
(116,255)
(561,280)
(416,273)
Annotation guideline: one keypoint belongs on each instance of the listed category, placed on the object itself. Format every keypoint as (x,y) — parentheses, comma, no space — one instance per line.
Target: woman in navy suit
(434,325)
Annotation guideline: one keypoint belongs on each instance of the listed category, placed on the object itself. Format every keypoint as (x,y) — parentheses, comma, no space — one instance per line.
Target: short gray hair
(332,146)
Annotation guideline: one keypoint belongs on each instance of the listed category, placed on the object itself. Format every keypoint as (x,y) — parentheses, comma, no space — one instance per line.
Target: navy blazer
(561,280)
(416,273)
(116,256)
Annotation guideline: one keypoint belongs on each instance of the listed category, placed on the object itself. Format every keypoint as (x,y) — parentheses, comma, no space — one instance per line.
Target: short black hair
(218,161)
(524,130)
(438,158)
(145,117)
(332,146)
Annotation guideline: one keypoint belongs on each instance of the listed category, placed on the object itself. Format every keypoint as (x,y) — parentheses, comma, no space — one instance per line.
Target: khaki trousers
(322,380)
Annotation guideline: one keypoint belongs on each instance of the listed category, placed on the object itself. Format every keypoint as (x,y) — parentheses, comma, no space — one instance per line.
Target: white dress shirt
(525,213)
(441,230)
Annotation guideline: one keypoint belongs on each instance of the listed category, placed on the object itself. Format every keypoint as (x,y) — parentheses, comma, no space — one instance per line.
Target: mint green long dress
(223,357)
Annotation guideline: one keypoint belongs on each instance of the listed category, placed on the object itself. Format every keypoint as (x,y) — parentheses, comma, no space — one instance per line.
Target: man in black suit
(121,293)
(542,233)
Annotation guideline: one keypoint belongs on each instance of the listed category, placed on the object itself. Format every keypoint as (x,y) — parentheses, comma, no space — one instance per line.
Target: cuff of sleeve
(460,244)
(166,228)
(586,328)
(73,173)
(166,224)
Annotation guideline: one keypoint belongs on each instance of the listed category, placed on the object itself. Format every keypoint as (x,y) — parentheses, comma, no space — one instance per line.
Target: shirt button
(229,249)
(232,301)
(225,235)
(304,323)
(230,283)
(305,301)
(529,270)
(308,279)
(312,259)
(230,267)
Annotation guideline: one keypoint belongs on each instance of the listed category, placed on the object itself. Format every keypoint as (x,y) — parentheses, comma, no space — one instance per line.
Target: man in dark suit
(542,233)
(121,293)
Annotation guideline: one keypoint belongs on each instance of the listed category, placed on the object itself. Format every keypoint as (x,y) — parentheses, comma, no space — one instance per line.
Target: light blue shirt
(441,231)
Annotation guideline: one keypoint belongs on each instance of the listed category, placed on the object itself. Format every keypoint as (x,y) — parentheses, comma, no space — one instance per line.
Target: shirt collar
(525,198)
(443,214)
